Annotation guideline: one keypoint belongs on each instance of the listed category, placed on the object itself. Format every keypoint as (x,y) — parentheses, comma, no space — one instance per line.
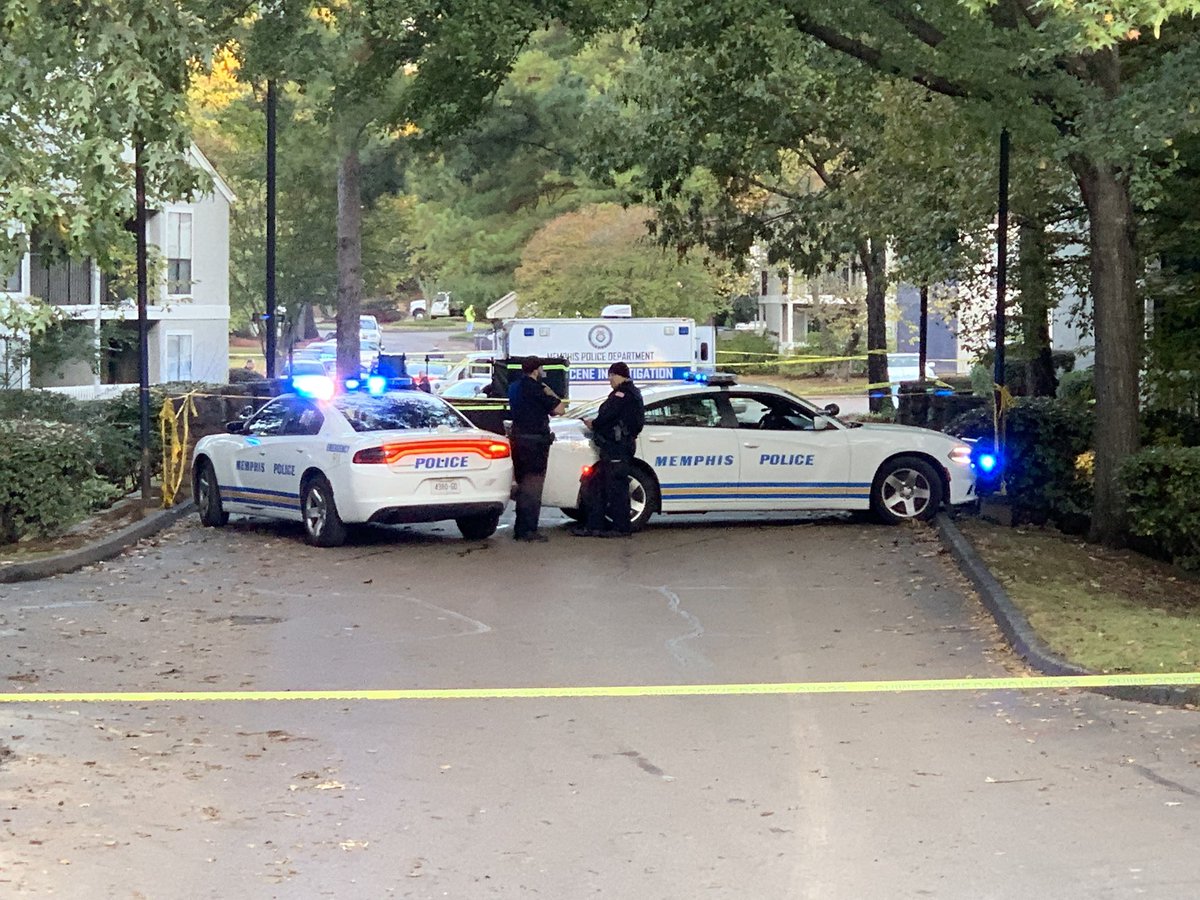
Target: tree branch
(924,31)
(874,58)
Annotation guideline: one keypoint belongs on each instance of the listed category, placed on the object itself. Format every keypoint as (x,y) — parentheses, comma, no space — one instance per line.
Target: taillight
(391,453)
(585,472)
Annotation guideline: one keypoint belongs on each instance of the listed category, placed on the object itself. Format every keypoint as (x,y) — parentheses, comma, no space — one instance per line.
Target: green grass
(1108,611)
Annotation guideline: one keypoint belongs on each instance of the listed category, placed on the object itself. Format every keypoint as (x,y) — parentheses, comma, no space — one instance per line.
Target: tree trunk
(349,256)
(1033,279)
(1118,327)
(873,256)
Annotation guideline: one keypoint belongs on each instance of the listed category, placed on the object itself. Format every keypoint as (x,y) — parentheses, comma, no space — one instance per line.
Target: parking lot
(965,794)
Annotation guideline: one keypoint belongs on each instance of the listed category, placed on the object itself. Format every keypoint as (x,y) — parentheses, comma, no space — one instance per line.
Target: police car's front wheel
(323,527)
(905,489)
(476,528)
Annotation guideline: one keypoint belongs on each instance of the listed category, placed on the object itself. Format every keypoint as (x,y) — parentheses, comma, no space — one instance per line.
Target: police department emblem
(600,336)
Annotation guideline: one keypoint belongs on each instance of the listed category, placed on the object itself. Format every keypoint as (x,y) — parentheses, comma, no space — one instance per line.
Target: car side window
(269,420)
(303,418)
(685,412)
(770,414)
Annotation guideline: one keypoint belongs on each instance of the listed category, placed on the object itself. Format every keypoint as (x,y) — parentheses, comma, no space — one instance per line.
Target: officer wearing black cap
(531,404)
(615,428)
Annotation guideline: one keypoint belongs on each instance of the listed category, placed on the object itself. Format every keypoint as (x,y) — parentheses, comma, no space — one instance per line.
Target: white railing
(91,391)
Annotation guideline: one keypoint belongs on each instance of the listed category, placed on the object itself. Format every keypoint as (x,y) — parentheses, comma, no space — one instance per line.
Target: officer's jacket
(619,420)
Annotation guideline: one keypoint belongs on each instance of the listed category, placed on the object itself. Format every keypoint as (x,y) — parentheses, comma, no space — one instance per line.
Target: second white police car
(358,456)
(721,446)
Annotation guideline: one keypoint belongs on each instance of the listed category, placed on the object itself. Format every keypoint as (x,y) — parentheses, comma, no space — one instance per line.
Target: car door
(693,451)
(785,462)
(278,446)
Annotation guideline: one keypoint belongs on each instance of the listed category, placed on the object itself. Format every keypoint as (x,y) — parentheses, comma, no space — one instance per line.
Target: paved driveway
(891,794)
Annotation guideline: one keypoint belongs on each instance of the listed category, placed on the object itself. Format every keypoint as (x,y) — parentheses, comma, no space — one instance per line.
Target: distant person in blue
(531,404)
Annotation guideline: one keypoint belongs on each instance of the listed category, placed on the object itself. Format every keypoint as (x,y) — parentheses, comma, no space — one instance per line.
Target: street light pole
(272,329)
(1001,300)
(139,182)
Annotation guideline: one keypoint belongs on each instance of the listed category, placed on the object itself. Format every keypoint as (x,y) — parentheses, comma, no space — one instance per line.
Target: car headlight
(961,454)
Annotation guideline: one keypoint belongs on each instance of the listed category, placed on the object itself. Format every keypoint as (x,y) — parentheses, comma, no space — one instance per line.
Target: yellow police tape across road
(914,686)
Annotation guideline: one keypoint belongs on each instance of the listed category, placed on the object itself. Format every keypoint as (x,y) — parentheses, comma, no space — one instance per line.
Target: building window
(179,357)
(179,253)
(12,281)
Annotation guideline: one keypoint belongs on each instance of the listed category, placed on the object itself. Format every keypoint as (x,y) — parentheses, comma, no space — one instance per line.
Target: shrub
(1162,485)
(1170,427)
(1077,388)
(1045,441)
(45,405)
(47,478)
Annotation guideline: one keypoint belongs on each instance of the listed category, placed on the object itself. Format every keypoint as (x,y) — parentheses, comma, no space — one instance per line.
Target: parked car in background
(368,352)
(462,388)
(369,330)
(441,306)
(906,367)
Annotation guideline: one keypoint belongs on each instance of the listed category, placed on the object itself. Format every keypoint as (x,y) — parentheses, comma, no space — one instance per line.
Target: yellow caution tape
(913,686)
(174,445)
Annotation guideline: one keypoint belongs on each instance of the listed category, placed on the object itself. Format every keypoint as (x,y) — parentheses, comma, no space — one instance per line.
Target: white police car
(721,446)
(329,460)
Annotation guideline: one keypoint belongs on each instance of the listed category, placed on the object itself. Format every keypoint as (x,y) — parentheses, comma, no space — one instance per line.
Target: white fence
(91,391)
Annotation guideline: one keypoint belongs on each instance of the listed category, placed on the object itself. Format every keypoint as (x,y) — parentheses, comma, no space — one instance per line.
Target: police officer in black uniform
(531,404)
(615,429)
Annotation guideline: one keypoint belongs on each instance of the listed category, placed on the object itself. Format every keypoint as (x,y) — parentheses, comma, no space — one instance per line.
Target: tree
(1083,69)
(583,261)
(80,84)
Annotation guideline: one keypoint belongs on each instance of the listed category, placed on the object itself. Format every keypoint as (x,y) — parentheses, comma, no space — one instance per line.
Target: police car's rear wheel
(906,489)
(643,497)
(476,528)
(208,497)
(323,526)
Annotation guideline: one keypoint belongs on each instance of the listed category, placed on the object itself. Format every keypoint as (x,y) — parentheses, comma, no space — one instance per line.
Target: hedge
(1162,487)
(1046,442)
(48,478)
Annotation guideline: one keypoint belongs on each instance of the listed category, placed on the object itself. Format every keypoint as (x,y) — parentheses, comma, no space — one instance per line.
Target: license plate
(447,486)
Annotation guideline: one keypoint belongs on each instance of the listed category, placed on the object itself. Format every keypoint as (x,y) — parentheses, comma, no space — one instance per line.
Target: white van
(369,330)
(657,351)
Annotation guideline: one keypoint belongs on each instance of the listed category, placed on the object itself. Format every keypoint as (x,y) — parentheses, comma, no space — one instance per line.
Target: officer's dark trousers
(530,453)
(608,506)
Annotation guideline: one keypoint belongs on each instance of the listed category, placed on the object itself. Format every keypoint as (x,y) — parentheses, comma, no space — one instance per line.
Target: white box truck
(657,351)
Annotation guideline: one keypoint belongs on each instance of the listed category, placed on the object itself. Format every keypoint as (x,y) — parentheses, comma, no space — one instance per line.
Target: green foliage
(1046,467)
(94,75)
(44,405)
(583,261)
(1078,388)
(1170,428)
(47,477)
(1162,487)
(745,352)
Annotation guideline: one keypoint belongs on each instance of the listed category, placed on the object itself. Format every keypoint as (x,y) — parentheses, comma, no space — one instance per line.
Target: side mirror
(235,427)
(833,409)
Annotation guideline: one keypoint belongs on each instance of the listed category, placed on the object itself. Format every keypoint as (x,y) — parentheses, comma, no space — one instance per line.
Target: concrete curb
(1025,641)
(93,553)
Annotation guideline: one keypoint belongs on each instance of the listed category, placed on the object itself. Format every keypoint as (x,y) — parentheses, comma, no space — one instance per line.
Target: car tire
(323,527)
(906,489)
(476,528)
(419,314)
(574,514)
(208,496)
(643,496)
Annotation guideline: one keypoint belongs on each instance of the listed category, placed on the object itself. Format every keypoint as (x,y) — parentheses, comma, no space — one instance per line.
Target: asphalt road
(972,794)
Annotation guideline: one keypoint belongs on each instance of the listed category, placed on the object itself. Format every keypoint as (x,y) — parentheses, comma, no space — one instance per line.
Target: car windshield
(466,388)
(585,410)
(397,412)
